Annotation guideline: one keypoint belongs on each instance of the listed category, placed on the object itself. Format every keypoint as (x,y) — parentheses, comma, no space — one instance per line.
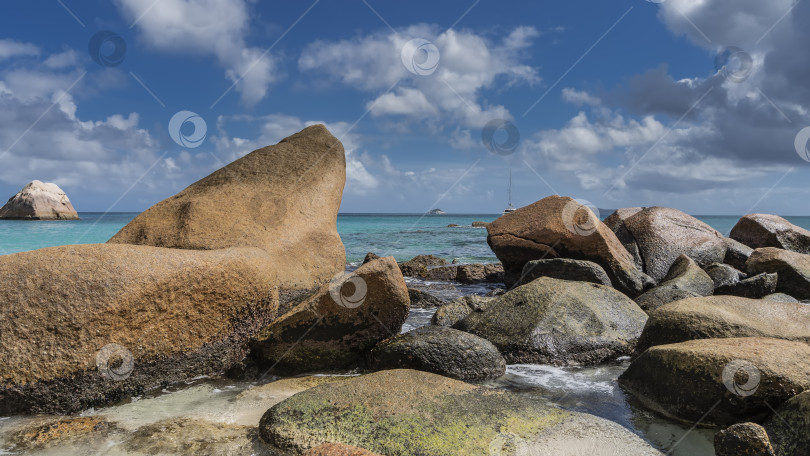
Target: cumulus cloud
(207,27)
(660,134)
(451,96)
(42,137)
(12,48)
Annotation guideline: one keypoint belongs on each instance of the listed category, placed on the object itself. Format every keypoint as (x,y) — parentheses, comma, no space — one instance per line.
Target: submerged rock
(684,280)
(193,436)
(338,325)
(563,268)
(724,317)
(719,381)
(793,269)
(560,227)
(765,230)
(789,427)
(39,201)
(407,412)
(663,234)
(551,321)
(88,325)
(440,350)
(422,300)
(283,199)
(743,439)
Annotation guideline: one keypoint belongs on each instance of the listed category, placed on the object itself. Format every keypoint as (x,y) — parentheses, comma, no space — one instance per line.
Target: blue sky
(620,103)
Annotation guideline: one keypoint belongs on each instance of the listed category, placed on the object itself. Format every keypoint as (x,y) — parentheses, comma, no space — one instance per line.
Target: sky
(700,105)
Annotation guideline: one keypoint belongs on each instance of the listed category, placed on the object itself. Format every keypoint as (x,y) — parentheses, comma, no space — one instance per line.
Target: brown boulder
(792,268)
(561,227)
(338,325)
(91,324)
(743,439)
(283,199)
(684,280)
(662,234)
(765,230)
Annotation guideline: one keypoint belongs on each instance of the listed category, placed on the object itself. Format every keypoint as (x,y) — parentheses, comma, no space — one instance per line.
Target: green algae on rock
(406,412)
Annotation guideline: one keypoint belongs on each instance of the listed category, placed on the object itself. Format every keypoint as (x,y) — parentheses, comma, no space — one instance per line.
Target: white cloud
(11,48)
(451,96)
(206,27)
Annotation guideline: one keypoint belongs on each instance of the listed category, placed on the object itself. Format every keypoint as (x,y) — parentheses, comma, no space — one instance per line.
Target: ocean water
(400,235)
(589,389)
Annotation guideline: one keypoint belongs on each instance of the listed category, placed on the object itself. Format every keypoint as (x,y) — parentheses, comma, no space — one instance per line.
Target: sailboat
(509,208)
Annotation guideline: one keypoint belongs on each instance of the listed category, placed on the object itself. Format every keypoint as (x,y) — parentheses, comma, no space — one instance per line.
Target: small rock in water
(418,265)
(480,224)
(423,300)
(39,201)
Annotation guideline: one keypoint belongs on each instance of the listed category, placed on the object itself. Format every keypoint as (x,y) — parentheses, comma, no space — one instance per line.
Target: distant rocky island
(437,212)
(39,201)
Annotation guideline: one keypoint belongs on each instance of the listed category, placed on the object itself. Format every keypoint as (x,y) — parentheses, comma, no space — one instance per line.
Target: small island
(39,201)
(437,212)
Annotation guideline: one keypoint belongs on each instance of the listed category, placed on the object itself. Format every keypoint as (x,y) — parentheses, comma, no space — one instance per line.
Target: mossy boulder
(552,321)
(743,439)
(440,350)
(715,317)
(407,412)
(719,381)
(793,270)
(566,269)
(789,427)
(339,324)
(453,312)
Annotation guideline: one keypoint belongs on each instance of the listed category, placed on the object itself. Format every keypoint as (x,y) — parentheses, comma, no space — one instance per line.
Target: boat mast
(510,188)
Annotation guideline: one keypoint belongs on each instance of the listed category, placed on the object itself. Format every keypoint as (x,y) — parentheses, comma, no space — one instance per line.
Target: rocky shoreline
(243,274)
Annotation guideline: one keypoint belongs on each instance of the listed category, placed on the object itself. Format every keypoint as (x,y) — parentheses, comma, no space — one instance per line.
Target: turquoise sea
(401,235)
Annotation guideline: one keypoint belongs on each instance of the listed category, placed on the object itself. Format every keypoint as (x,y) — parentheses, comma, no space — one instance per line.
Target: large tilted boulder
(339,324)
(91,324)
(440,350)
(765,230)
(561,227)
(789,427)
(661,235)
(723,317)
(792,268)
(719,381)
(408,412)
(283,199)
(684,280)
(39,201)
(551,321)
